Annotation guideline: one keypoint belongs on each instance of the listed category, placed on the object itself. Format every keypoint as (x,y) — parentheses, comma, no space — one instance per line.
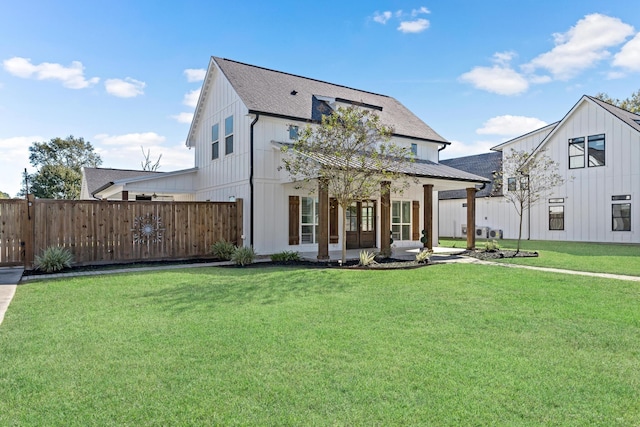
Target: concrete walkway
(9,279)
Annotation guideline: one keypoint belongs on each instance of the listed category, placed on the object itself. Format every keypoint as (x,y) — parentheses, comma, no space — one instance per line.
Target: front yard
(594,257)
(441,345)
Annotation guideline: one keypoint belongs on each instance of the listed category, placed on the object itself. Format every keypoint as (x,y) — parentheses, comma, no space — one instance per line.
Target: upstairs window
(215,141)
(293,132)
(596,150)
(511,184)
(228,135)
(414,149)
(576,153)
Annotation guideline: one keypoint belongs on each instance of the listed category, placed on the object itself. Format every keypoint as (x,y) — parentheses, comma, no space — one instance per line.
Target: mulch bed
(498,254)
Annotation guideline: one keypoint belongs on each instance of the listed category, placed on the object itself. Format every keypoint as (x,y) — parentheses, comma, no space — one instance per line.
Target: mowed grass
(593,257)
(441,345)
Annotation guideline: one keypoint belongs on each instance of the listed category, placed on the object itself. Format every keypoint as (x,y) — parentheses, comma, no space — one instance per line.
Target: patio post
(385,218)
(427,215)
(323,220)
(471,218)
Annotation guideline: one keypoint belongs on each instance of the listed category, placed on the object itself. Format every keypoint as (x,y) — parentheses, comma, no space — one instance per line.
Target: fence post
(28,225)
(239,212)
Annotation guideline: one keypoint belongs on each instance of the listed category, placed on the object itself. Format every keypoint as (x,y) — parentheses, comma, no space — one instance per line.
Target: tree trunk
(520,230)
(344,235)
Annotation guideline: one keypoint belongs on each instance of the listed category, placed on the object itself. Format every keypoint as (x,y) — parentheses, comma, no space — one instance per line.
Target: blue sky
(122,74)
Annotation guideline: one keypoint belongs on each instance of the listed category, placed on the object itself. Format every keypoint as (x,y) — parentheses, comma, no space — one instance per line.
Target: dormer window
(414,149)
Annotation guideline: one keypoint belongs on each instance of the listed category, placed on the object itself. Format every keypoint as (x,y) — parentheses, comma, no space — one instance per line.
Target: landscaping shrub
(367,258)
(54,258)
(223,249)
(491,246)
(422,257)
(243,256)
(286,256)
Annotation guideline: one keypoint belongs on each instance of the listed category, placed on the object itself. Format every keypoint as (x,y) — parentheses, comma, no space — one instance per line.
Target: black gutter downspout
(440,149)
(251,178)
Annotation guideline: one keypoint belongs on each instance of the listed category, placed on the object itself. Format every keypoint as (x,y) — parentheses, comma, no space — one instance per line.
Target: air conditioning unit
(464,229)
(482,232)
(495,234)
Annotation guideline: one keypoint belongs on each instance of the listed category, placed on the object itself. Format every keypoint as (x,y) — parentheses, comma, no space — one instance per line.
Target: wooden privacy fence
(102,232)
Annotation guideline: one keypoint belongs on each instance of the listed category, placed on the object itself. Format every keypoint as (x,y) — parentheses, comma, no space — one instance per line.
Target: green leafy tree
(631,103)
(59,164)
(352,152)
(524,180)
(4,195)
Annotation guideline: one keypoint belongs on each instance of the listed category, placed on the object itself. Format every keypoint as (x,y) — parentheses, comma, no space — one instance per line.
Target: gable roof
(482,164)
(96,178)
(631,119)
(285,95)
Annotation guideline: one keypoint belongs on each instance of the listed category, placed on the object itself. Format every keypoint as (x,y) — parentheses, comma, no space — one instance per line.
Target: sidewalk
(9,279)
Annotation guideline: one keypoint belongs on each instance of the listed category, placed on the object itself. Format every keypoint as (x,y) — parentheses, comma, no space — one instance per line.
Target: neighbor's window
(309,223)
(621,197)
(293,132)
(414,149)
(556,217)
(215,141)
(621,217)
(511,184)
(596,150)
(557,200)
(228,135)
(576,153)
(401,220)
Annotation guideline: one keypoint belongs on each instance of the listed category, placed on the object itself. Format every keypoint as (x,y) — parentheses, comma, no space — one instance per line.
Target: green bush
(491,246)
(422,257)
(367,258)
(54,258)
(286,256)
(223,249)
(243,255)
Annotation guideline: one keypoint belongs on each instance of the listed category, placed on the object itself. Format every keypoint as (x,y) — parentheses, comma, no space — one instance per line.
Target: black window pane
(228,144)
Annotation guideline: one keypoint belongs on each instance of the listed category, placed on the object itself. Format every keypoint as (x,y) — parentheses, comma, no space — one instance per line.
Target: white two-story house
(597,149)
(244,115)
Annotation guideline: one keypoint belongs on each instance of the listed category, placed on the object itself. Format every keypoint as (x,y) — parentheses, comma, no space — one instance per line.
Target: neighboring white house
(245,113)
(597,147)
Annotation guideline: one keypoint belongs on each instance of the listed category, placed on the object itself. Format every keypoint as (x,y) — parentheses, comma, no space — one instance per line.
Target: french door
(361,225)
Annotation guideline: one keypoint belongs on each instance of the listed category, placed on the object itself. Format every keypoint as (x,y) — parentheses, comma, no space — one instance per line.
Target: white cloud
(183,117)
(382,18)
(130,139)
(582,46)
(72,77)
(461,149)
(191,98)
(499,79)
(629,55)
(14,159)
(417,26)
(422,10)
(510,125)
(127,88)
(195,74)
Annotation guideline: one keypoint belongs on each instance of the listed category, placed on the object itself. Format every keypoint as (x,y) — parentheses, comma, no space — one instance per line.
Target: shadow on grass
(209,288)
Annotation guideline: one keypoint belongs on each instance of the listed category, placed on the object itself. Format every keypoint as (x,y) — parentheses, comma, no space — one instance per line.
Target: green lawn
(441,345)
(595,257)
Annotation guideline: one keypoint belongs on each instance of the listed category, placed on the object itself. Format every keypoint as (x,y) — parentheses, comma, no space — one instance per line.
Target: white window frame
(398,228)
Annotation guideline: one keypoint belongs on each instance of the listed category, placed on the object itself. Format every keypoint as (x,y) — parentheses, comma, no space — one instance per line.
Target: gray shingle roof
(628,117)
(271,92)
(482,164)
(98,177)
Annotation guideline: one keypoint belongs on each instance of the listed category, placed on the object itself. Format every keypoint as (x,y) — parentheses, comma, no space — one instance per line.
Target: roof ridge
(302,77)
(593,98)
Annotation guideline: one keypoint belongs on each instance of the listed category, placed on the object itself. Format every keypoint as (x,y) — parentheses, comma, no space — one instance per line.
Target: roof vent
(294,92)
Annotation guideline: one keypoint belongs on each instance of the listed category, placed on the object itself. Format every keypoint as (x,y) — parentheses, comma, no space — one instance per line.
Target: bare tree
(352,153)
(147,164)
(524,180)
